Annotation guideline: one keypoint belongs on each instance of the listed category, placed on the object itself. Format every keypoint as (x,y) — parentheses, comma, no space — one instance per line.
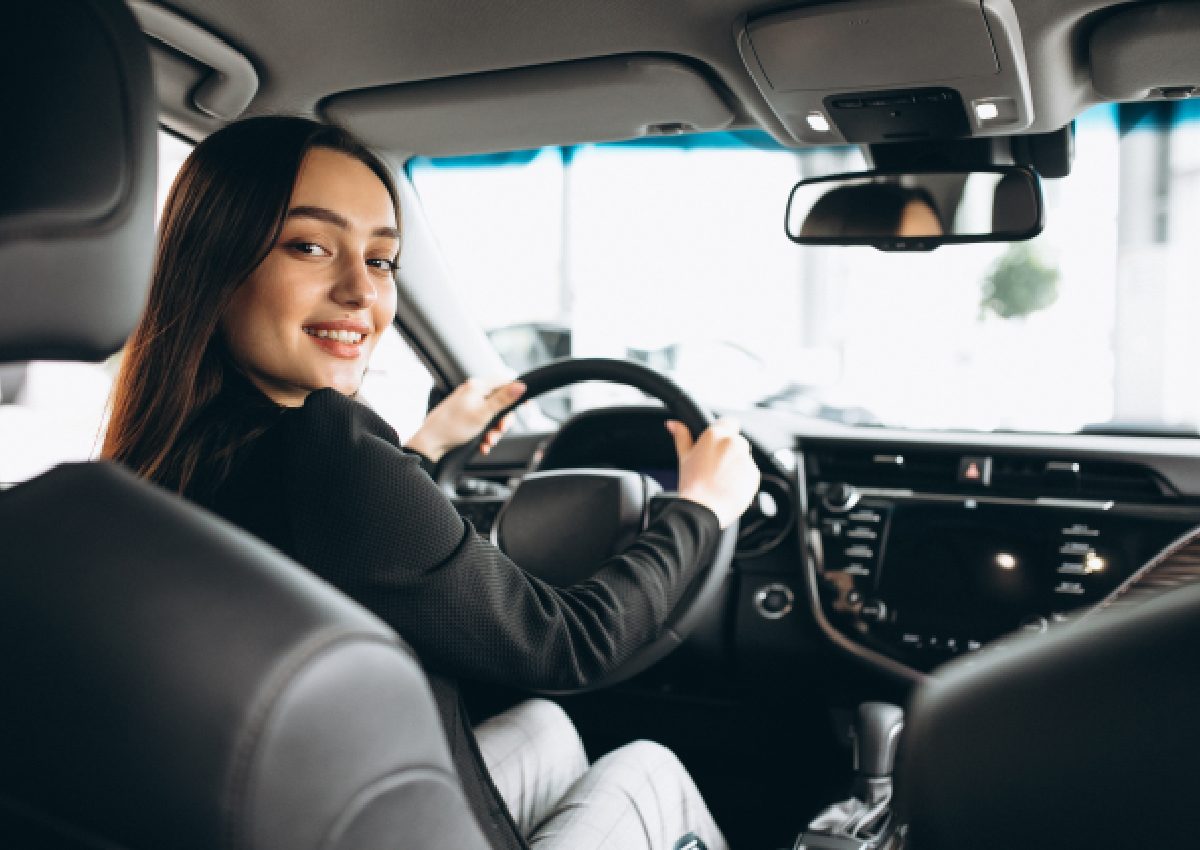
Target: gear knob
(876,736)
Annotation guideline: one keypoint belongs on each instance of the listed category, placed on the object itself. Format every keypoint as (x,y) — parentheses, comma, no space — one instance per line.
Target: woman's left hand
(463,414)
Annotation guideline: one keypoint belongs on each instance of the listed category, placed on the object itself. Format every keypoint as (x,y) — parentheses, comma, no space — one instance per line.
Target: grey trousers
(638,797)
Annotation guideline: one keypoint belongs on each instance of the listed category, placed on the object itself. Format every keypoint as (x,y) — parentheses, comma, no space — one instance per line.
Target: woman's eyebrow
(337,219)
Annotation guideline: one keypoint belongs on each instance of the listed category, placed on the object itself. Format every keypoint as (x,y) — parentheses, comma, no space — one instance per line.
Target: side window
(397,384)
(52,412)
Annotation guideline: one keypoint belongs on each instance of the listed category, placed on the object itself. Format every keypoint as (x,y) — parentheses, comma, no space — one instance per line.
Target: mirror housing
(916,210)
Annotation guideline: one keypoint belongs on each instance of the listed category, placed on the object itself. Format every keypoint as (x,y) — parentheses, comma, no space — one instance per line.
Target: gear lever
(864,820)
(876,736)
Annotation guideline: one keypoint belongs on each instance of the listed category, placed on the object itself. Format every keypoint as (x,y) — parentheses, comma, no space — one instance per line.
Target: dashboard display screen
(979,571)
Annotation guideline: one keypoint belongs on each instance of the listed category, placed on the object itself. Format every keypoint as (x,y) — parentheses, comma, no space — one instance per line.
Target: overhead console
(923,69)
(919,555)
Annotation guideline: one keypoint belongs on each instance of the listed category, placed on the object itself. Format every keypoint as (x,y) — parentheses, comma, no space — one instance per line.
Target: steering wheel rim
(707,586)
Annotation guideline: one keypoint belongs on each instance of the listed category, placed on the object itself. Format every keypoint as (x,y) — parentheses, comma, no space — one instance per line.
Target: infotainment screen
(979,571)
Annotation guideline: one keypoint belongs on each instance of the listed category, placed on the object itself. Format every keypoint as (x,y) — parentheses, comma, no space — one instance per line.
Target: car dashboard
(904,550)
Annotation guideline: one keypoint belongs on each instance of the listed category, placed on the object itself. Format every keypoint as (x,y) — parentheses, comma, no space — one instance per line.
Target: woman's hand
(716,470)
(463,414)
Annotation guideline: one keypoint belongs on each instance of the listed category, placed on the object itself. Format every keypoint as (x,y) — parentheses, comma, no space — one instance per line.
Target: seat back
(165,679)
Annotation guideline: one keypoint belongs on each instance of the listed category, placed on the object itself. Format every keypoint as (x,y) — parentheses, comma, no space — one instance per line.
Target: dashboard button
(975,469)
(864,552)
(833,527)
(1070,588)
(773,601)
(875,610)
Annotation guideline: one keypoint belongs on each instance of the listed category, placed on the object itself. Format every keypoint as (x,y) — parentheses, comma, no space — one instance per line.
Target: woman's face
(310,315)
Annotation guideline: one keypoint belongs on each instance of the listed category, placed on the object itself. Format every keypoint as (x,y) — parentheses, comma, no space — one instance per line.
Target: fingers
(682,437)
(503,394)
(494,434)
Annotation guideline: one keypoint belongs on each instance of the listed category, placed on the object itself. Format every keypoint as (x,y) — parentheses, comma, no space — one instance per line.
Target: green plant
(1018,285)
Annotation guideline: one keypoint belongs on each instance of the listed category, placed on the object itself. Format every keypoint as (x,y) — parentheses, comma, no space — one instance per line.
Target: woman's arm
(369,520)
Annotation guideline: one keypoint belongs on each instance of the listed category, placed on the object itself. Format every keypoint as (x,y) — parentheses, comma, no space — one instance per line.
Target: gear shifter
(876,737)
(864,821)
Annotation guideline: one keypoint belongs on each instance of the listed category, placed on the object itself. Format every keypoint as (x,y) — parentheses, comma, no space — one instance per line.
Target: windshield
(672,252)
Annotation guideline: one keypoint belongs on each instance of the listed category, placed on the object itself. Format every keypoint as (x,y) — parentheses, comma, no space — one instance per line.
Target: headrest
(77,178)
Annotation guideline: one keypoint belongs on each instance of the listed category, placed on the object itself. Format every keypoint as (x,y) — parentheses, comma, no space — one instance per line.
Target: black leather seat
(165,680)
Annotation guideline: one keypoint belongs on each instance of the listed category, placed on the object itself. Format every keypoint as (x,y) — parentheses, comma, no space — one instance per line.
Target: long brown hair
(222,216)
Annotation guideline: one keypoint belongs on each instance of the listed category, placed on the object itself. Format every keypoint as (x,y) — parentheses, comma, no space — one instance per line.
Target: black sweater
(329,485)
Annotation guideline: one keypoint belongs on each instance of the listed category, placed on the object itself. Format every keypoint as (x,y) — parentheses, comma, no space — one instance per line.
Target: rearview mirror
(916,211)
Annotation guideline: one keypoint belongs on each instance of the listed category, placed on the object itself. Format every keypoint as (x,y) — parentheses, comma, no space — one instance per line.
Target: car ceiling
(306,52)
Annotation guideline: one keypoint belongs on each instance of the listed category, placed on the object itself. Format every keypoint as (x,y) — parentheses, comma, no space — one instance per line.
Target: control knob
(840,497)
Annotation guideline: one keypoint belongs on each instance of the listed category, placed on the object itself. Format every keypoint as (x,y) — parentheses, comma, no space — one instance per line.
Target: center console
(921,558)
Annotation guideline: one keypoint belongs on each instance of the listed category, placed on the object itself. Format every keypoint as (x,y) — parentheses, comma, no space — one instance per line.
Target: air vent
(885,466)
(769,519)
(1026,476)
(1045,476)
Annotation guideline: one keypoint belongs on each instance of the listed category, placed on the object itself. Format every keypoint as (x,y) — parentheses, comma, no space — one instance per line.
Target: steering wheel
(560,525)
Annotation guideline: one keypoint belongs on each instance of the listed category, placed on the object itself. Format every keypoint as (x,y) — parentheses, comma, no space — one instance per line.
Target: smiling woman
(274,282)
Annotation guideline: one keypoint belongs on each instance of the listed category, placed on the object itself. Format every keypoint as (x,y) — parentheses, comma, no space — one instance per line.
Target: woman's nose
(355,287)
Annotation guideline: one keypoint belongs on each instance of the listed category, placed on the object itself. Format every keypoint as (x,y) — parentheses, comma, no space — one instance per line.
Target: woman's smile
(340,339)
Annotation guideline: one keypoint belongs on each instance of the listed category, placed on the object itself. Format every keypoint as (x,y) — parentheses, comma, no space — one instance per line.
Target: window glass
(397,384)
(673,253)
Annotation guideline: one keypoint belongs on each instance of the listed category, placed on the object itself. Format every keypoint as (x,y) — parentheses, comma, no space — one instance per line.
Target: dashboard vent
(768,520)
(1046,476)
(884,467)
(1028,476)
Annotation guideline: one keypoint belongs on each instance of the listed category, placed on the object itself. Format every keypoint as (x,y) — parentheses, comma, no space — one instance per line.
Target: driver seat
(168,681)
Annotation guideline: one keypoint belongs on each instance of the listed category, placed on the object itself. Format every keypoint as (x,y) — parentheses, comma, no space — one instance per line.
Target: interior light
(818,122)
(1006,561)
(986,111)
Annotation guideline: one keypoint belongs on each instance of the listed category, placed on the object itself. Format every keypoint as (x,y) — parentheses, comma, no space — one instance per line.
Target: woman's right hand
(716,470)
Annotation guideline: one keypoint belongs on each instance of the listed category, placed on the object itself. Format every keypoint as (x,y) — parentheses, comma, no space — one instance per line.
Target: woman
(273,282)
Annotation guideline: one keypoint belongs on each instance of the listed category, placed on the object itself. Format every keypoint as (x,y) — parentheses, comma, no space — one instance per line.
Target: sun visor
(1148,52)
(606,99)
(921,69)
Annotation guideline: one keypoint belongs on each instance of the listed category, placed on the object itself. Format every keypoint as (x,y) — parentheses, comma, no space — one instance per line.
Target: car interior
(935,256)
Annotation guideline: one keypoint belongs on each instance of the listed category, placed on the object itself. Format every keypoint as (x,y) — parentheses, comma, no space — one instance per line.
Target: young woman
(274,281)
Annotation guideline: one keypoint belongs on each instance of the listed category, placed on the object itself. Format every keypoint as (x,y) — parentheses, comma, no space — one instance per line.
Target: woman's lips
(341,350)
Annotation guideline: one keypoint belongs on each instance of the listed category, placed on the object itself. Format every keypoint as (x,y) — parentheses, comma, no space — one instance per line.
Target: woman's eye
(383,263)
(310,249)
